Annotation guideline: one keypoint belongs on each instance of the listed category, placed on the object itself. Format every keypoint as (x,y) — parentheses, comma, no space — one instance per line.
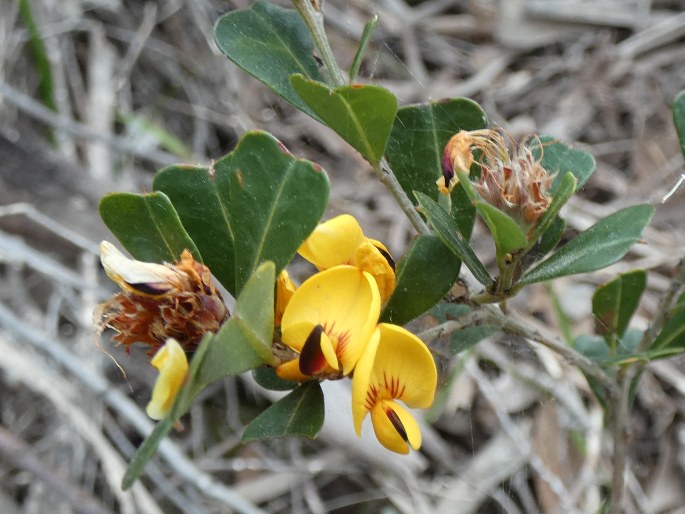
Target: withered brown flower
(517,184)
(159,301)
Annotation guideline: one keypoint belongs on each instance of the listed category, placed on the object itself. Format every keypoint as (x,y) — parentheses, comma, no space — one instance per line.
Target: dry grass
(519,430)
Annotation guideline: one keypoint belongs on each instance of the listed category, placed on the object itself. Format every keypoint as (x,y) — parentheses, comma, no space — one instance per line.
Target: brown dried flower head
(159,301)
(516,184)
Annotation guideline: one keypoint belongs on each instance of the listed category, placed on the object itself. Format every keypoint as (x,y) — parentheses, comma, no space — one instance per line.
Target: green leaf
(417,141)
(147,226)
(266,377)
(196,195)
(244,341)
(566,188)
(361,50)
(599,246)
(551,237)
(145,452)
(301,413)
(424,275)
(558,159)
(446,229)
(270,43)
(255,305)
(679,118)
(614,303)
(362,115)
(673,333)
(508,235)
(275,201)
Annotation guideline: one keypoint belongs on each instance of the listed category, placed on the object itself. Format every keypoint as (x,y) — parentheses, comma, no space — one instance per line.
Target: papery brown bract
(176,301)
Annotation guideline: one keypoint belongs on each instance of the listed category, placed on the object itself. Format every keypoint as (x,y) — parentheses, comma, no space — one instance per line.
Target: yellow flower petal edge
(285,288)
(333,242)
(345,302)
(172,363)
(395,365)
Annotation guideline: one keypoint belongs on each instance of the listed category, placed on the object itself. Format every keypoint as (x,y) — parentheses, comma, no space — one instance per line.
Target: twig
(662,313)
(128,410)
(33,108)
(17,451)
(619,431)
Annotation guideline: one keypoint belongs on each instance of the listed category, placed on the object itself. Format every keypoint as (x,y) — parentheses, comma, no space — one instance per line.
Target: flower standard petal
(345,302)
(172,363)
(333,242)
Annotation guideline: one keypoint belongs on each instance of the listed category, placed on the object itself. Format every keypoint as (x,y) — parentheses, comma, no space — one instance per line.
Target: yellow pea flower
(328,322)
(396,365)
(172,363)
(341,240)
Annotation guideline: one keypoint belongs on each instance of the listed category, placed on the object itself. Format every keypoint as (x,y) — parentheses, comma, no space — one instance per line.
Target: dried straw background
(520,432)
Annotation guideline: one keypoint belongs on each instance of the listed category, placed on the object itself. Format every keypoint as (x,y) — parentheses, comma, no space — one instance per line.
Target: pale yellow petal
(333,242)
(136,276)
(172,364)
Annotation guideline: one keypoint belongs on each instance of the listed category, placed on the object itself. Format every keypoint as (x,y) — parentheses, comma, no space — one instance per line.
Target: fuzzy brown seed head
(159,301)
(517,184)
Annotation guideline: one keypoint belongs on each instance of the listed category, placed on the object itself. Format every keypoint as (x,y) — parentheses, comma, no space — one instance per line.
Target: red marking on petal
(397,423)
(312,360)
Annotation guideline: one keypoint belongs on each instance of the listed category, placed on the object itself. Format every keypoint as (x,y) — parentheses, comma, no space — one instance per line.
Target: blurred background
(96,95)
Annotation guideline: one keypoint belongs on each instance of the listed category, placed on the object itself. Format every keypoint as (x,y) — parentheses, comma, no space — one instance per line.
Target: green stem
(389,180)
(311,14)
(619,427)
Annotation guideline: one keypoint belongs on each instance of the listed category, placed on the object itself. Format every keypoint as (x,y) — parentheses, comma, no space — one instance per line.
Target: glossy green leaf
(362,115)
(145,452)
(275,201)
(564,192)
(602,244)
(301,413)
(673,333)
(614,304)
(147,226)
(446,229)
(270,43)
(507,234)
(558,159)
(424,275)
(679,118)
(266,377)
(195,194)
(417,142)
